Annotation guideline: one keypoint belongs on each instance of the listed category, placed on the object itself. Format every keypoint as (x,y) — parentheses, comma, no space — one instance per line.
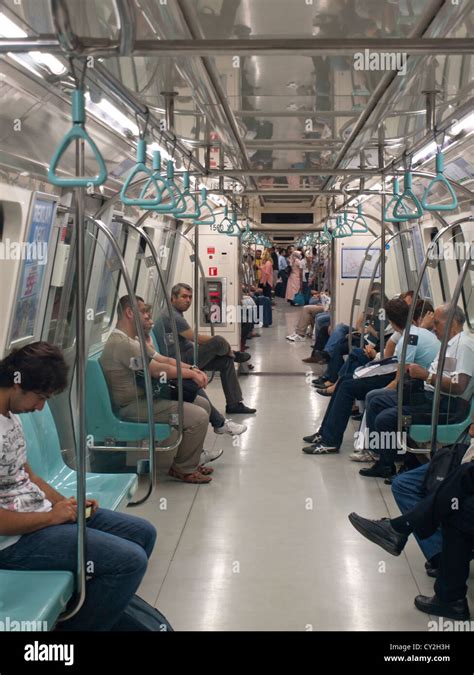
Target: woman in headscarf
(295,279)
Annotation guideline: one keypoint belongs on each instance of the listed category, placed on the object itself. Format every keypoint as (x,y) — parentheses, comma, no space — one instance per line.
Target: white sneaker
(210,456)
(231,428)
(298,338)
(361,457)
(291,337)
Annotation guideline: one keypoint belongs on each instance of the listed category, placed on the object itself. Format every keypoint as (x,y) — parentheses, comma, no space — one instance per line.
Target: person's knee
(221,345)
(203,402)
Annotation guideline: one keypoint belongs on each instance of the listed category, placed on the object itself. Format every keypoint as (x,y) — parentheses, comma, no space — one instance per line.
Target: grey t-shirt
(164,334)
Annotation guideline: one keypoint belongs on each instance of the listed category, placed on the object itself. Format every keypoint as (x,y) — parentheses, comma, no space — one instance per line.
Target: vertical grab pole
(382,244)
(80,386)
(332,263)
(196,294)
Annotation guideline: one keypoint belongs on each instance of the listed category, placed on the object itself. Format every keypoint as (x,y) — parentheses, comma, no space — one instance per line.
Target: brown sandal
(195,477)
(205,470)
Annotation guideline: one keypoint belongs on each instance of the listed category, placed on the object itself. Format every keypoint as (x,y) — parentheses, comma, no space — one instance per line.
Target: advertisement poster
(32,275)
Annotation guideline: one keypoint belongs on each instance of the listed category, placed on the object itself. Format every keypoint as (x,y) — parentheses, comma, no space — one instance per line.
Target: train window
(419,251)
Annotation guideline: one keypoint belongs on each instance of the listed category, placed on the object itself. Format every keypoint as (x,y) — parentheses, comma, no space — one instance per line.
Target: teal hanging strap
(359,224)
(440,179)
(141,168)
(207,215)
(401,212)
(191,215)
(342,229)
(225,223)
(77,132)
(391,205)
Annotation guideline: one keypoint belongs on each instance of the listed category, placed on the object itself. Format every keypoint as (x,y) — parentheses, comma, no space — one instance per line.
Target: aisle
(267,545)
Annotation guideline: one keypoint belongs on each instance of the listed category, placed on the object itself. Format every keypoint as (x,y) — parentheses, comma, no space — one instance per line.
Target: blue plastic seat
(101,421)
(44,456)
(41,596)
(447,433)
(35,599)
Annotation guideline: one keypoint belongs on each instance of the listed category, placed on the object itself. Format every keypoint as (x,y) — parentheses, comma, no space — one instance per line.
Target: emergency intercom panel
(214,301)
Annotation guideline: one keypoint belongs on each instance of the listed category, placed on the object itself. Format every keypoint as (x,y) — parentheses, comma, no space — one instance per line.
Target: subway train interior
(236,239)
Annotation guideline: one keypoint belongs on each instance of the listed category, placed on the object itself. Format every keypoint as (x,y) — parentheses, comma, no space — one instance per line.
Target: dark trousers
(337,362)
(382,417)
(213,355)
(339,410)
(452,507)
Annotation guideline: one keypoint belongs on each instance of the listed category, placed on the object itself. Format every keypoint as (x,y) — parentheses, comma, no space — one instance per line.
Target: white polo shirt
(459,359)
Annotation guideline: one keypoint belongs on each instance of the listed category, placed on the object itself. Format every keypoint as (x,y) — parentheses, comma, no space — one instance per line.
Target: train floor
(268,545)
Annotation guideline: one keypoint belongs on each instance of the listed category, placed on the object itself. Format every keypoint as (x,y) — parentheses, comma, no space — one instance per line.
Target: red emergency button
(210,250)
(213,271)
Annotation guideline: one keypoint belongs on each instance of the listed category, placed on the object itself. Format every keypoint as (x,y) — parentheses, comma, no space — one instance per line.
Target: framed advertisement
(351,260)
(34,262)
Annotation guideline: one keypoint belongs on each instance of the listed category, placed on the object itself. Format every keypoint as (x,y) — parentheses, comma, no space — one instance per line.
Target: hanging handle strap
(77,132)
(141,167)
(439,179)
(401,212)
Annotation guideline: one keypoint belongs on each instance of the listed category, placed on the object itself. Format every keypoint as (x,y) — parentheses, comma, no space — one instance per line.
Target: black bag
(169,390)
(140,616)
(443,462)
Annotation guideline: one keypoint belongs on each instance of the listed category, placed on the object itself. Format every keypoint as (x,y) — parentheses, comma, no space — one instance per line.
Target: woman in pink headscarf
(294,280)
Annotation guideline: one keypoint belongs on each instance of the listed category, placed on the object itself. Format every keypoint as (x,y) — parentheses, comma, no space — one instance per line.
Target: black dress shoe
(319,381)
(457,610)
(357,417)
(241,357)
(239,409)
(431,571)
(378,470)
(321,357)
(314,438)
(380,532)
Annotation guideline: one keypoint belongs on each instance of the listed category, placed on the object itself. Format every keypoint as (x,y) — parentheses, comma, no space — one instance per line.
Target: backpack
(140,616)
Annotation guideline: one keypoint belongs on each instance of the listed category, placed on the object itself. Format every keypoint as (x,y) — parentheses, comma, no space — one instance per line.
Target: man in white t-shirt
(456,390)
(38,524)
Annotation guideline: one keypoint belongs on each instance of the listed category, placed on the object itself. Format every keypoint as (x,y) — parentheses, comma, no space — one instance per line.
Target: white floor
(267,545)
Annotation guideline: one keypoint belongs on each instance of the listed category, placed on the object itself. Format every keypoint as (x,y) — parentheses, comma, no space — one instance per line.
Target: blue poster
(34,254)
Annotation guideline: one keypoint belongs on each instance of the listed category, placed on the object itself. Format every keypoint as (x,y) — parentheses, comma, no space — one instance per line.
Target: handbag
(443,462)
(298,300)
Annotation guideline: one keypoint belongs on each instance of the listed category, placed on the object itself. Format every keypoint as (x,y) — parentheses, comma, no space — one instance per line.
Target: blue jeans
(357,358)
(338,334)
(407,490)
(266,305)
(117,550)
(339,409)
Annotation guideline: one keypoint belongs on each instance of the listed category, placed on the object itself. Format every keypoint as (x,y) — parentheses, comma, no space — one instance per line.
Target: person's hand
(199,378)
(64,511)
(370,352)
(417,372)
(427,321)
(89,502)
(206,378)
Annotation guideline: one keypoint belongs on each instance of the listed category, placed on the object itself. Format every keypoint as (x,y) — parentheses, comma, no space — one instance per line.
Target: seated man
(38,524)
(214,353)
(457,387)
(422,349)
(408,490)
(451,506)
(219,423)
(307,316)
(120,361)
